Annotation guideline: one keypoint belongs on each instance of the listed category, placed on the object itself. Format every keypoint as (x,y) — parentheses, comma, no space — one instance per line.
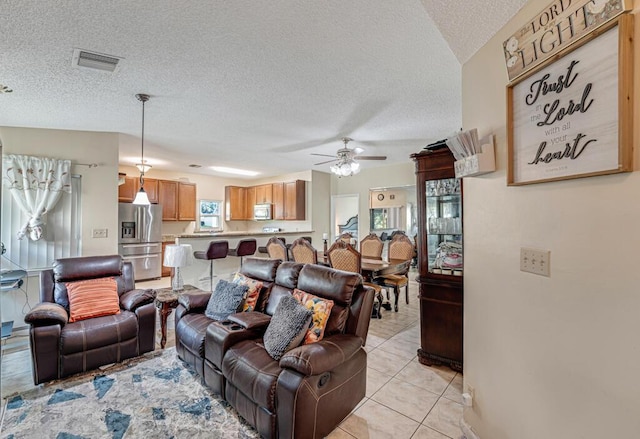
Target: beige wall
(548,357)
(99,191)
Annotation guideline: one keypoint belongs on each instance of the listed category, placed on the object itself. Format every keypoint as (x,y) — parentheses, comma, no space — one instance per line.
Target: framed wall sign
(572,117)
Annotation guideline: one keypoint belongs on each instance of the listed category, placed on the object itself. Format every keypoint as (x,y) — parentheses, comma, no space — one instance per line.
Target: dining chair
(402,248)
(303,252)
(346,237)
(342,256)
(277,249)
(371,247)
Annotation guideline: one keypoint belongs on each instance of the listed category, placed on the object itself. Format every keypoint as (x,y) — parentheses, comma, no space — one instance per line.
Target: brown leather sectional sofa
(60,348)
(313,387)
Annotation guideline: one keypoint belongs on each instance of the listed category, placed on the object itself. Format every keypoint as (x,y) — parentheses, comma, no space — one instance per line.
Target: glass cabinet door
(444,226)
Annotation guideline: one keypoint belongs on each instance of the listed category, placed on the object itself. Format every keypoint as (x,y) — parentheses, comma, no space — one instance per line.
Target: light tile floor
(404,399)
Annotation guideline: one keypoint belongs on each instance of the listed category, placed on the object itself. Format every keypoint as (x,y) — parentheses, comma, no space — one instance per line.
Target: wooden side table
(166,301)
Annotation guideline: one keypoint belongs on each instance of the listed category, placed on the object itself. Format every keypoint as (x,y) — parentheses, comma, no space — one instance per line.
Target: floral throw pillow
(253,291)
(321,309)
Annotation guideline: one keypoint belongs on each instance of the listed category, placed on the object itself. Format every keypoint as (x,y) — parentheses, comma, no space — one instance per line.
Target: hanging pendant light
(141,196)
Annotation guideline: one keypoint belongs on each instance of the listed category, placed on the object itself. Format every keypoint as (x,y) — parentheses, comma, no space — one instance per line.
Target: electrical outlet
(99,233)
(535,261)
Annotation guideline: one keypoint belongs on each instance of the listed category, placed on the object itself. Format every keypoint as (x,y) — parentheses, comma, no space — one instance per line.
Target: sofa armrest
(251,319)
(47,313)
(323,356)
(136,298)
(194,301)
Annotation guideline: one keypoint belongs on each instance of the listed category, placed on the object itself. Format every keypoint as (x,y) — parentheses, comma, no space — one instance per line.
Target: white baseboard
(467,431)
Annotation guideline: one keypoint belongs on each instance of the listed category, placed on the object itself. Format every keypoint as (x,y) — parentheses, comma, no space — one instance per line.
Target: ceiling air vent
(95,60)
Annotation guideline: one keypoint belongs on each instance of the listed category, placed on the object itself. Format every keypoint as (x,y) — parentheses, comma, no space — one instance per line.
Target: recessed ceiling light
(194,165)
(234,171)
(5,89)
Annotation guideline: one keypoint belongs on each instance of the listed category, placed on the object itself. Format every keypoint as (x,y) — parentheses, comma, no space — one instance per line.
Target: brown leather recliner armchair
(312,388)
(60,348)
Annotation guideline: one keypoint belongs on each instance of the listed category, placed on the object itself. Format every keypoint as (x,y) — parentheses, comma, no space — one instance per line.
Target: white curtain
(36,184)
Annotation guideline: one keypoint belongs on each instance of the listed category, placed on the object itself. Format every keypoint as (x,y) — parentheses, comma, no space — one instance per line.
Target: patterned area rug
(153,396)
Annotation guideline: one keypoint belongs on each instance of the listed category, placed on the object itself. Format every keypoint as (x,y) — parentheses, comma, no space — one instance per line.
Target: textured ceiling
(246,83)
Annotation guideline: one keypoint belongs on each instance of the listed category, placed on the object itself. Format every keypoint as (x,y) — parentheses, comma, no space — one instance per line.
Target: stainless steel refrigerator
(140,238)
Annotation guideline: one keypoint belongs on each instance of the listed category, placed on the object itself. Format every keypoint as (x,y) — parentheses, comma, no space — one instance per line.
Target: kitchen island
(197,274)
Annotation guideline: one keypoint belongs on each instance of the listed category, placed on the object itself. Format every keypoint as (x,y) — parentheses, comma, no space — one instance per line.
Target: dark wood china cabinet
(440,279)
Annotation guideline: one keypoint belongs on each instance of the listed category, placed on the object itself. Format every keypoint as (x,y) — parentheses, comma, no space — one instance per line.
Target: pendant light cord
(142,98)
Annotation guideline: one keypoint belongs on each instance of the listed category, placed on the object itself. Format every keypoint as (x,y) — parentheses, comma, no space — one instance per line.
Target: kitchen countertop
(245,233)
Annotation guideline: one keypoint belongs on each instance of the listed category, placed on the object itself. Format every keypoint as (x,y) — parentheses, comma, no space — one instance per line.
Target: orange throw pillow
(321,309)
(93,298)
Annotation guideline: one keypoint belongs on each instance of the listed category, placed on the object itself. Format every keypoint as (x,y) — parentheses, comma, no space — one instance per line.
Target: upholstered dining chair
(346,237)
(277,249)
(402,248)
(303,252)
(342,256)
(371,247)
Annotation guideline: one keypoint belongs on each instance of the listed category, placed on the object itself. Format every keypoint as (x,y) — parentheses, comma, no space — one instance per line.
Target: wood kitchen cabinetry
(278,201)
(178,200)
(128,190)
(235,203)
(294,200)
(440,279)
(264,194)
(288,200)
(250,201)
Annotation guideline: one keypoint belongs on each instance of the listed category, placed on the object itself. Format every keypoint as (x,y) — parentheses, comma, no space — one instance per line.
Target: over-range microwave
(262,212)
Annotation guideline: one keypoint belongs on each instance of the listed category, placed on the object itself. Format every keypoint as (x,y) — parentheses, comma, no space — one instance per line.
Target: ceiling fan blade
(328,161)
(370,157)
(323,155)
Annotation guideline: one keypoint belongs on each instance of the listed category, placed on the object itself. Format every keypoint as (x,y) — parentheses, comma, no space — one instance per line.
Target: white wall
(99,191)
(548,357)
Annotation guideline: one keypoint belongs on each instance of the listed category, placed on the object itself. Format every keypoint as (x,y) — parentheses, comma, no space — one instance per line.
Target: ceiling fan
(346,159)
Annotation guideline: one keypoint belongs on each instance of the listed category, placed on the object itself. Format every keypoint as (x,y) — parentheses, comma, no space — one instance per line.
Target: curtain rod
(89,165)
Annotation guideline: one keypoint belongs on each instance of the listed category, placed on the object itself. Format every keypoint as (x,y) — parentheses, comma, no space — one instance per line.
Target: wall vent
(95,60)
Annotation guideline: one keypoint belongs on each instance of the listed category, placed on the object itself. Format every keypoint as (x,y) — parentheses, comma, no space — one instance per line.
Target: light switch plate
(99,233)
(535,261)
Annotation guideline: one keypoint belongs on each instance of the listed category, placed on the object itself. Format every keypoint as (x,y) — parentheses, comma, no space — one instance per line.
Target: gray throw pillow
(225,300)
(287,328)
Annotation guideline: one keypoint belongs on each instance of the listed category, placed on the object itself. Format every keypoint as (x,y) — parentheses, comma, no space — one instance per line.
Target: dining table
(372,268)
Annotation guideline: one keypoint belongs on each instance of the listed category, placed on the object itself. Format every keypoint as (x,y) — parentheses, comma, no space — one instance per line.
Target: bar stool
(245,247)
(216,250)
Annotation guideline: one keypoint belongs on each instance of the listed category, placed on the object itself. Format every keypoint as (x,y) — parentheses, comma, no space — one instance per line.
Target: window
(63,230)
(210,215)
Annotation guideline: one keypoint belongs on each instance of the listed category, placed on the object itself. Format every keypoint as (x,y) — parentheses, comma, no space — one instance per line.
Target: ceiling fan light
(355,167)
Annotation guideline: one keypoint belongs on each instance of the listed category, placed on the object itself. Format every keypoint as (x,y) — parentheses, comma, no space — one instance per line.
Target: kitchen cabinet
(166,271)
(250,201)
(440,263)
(288,200)
(178,200)
(294,200)
(186,201)
(264,194)
(278,201)
(235,203)
(127,190)
(168,196)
